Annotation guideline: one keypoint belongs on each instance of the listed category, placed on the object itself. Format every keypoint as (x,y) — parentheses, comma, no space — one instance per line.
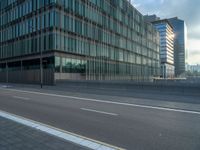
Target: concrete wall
(28,76)
(145,87)
(69,76)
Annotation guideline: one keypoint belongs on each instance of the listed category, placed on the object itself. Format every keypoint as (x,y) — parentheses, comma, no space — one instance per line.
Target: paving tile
(15,136)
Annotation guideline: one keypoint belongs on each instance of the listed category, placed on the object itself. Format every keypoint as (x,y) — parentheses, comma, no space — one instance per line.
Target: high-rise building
(166,44)
(166,48)
(180,45)
(75,39)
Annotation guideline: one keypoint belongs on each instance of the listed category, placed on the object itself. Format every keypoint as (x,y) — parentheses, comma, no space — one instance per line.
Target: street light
(41,63)
(41,69)
(7,73)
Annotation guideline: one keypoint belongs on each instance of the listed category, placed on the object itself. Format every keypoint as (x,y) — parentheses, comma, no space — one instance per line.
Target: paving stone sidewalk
(14,136)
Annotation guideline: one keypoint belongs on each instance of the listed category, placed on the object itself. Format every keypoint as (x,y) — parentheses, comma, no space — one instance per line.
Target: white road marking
(97,111)
(68,136)
(21,98)
(5,86)
(109,102)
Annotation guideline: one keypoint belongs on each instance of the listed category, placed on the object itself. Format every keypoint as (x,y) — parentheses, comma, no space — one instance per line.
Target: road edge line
(68,136)
(110,102)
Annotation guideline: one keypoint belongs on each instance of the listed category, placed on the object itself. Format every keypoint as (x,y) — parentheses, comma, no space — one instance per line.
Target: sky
(188,10)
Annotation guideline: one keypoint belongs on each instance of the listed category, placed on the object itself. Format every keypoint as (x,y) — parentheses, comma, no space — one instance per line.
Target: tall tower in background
(180,45)
(166,32)
(166,47)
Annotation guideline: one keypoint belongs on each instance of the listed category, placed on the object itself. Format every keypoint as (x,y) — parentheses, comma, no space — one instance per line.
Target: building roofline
(161,21)
(176,19)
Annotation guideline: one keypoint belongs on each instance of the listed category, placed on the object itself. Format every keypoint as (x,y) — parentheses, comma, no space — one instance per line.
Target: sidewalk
(14,136)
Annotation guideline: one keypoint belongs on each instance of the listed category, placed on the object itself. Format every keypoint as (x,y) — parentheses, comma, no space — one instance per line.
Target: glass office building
(180,45)
(79,40)
(166,48)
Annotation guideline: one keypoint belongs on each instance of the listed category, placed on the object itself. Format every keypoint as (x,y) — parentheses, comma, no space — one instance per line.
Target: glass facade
(180,45)
(89,39)
(166,48)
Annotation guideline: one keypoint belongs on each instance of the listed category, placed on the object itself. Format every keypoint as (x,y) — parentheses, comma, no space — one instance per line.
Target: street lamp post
(41,69)
(7,73)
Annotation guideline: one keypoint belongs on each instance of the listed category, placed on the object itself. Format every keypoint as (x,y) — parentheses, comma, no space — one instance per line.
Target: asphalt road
(127,122)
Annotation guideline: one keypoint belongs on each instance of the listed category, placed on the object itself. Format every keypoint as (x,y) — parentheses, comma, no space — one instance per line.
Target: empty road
(127,122)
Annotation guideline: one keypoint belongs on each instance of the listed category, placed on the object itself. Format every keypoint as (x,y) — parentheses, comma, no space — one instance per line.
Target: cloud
(195,52)
(193,57)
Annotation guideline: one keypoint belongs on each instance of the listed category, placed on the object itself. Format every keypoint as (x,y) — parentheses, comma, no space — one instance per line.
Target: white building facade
(166,48)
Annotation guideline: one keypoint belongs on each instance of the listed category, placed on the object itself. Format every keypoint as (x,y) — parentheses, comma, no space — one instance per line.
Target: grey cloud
(194,35)
(195,52)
